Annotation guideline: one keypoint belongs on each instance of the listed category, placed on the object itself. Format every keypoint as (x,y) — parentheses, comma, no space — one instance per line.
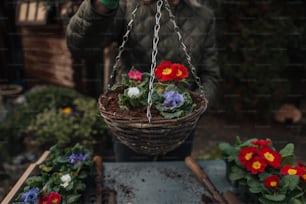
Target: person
(98,23)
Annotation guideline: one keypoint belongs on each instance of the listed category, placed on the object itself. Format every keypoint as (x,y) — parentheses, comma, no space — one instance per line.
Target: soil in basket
(110,103)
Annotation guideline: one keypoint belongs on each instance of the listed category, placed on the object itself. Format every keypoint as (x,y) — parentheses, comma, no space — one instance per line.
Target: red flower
(135,75)
(256,165)
(246,154)
(164,71)
(272,157)
(290,170)
(271,181)
(303,175)
(51,198)
(261,143)
(180,70)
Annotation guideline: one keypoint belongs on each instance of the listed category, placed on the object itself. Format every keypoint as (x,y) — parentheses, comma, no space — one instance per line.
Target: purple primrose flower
(173,99)
(76,157)
(30,196)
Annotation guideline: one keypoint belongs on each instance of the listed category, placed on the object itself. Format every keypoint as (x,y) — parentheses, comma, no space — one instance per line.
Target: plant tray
(28,172)
(90,196)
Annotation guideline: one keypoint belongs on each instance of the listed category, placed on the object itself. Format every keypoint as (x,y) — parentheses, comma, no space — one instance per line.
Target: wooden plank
(26,174)
(45,50)
(44,31)
(54,43)
(51,59)
(46,73)
(52,66)
(68,75)
(62,82)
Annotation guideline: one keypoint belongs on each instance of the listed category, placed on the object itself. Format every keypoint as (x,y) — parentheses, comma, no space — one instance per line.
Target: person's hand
(110,4)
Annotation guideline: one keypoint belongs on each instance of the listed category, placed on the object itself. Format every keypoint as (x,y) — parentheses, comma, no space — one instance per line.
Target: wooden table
(162,182)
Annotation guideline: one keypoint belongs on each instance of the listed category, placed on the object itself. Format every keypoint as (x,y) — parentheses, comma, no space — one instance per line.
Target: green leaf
(288,150)
(291,181)
(61,159)
(295,201)
(225,148)
(278,197)
(255,189)
(297,194)
(82,175)
(72,199)
(253,182)
(288,160)
(70,186)
(236,174)
(34,181)
(80,187)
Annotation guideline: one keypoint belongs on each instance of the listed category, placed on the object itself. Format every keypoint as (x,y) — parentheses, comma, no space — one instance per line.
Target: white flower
(66,179)
(133,92)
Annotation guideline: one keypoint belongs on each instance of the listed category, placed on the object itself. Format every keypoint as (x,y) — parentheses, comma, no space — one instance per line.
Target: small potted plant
(271,176)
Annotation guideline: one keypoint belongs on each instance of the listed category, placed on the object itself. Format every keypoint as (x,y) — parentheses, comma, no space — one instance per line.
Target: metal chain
(158,15)
(180,38)
(122,47)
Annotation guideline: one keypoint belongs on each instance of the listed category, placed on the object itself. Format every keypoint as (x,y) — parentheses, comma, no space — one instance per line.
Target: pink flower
(135,75)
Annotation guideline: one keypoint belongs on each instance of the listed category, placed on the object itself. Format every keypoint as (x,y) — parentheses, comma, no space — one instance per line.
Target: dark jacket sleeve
(209,69)
(88,31)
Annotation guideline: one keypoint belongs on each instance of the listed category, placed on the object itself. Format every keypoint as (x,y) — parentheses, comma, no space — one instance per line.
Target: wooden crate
(46,56)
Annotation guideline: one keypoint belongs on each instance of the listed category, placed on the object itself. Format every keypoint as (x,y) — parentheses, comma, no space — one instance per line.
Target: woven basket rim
(143,120)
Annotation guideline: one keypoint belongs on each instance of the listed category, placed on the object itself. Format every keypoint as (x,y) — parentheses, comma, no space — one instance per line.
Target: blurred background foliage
(261,54)
(49,115)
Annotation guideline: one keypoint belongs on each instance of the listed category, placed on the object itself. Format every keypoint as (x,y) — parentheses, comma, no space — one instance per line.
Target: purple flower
(30,196)
(76,157)
(172,99)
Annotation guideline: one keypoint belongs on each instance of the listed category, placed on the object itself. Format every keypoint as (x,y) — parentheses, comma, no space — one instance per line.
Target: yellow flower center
(256,165)
(292,172)
(179,73)
(273,183)
(67,110)
(55,200)
(304,177)
(248,156)
(269,156)
(167,71)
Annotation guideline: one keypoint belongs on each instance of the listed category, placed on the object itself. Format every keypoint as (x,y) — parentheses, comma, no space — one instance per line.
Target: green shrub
(41,116)
(80,124)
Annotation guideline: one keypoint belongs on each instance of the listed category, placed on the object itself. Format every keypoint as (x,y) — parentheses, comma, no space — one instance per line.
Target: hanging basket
(152,138)
(144,134)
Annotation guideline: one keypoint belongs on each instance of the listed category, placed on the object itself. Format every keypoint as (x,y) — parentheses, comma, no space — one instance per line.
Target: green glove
(110,4)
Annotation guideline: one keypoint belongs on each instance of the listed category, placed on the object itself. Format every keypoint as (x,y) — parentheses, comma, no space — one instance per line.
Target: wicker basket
(157,137)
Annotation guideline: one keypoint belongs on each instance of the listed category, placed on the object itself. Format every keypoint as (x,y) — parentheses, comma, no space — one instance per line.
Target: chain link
(122,47)
(158,15)
(184,48)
